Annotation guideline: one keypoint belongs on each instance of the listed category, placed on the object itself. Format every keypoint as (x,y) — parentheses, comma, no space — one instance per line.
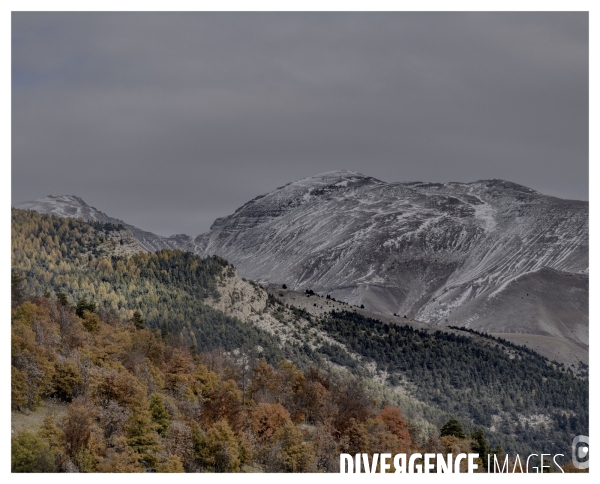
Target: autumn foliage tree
(136,402)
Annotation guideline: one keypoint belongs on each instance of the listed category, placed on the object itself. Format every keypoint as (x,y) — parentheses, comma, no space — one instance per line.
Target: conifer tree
(137,319)
(480,445)
(160,415)
(142,437)
(453,427)
(16,289)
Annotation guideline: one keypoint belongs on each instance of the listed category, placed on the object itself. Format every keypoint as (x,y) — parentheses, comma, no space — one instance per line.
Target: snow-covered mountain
(421,249)
(75,207)
(459,254)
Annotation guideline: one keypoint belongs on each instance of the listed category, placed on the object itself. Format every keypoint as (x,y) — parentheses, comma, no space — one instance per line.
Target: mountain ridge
(424,250)
(201,304)
(75,207)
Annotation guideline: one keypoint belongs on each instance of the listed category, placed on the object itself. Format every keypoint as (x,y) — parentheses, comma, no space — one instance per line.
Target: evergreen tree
(480,445)
(164,332)
(453,427)
(30,453)
(160,415)
(220,452)
(83,305)
(16,289)
(62,299)
(142,437)
(137,319)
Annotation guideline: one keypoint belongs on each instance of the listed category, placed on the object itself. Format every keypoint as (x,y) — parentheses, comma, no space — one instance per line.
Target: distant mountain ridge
(74,207)
(445,253)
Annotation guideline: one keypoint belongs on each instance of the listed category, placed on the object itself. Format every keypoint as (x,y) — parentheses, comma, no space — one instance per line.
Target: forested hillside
(155,378)
(74,258)
(136,400)
(496,384)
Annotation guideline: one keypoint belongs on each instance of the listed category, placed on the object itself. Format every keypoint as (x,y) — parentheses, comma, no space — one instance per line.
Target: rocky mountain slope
(462,254)
(546,310)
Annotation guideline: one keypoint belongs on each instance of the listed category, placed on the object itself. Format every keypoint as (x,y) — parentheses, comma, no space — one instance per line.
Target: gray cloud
(169,120)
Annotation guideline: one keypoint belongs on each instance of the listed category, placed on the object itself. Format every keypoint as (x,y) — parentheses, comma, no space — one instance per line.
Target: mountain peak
(66,206)
(56,199)
(338,173)
(504,184)
(341,178)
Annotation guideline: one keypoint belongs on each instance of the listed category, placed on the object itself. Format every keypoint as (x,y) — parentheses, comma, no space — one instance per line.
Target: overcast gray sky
(170,120)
